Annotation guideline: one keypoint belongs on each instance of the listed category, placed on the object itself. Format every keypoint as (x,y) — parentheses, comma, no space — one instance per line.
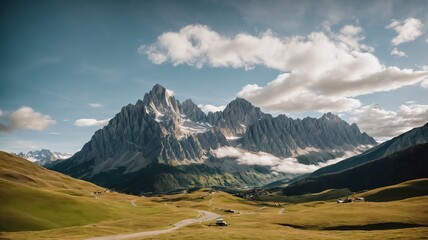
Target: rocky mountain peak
(160,102)
(192,111)
(237,116)
(239,103)
(331,117)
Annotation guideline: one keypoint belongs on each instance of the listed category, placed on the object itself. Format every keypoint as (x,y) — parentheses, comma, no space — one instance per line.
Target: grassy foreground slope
(405,217)
(34,198)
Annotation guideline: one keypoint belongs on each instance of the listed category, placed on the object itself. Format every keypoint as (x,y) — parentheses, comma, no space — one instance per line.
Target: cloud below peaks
(285,165)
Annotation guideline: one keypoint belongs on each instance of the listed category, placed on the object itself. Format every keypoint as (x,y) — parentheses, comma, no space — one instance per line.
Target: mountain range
(162,145)
(43,157)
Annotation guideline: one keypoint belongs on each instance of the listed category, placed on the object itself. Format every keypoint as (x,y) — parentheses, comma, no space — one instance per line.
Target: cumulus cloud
(285,165)
(407,30)
(384,124)
(25,118)
(398,53)
(323,72)
(90,122)
(96,105)
(211,108)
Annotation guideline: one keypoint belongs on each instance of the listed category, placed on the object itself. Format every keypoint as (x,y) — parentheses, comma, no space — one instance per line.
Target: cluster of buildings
(350,200)
(250,195)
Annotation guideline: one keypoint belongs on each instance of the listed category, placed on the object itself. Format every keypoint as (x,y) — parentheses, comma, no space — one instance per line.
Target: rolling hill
(34,198)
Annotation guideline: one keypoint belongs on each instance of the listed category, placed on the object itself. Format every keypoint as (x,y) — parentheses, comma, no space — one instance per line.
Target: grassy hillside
(31,197)
(413,188)
(34,198)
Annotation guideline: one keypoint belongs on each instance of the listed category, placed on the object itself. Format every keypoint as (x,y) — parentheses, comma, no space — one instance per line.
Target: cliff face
(159,144)
(282,136)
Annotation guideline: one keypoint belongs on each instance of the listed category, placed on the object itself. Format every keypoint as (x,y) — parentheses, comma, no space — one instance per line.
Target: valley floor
(399,219)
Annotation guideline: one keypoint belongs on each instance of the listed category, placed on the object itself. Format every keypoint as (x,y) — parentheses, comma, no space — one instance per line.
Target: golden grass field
(41,204)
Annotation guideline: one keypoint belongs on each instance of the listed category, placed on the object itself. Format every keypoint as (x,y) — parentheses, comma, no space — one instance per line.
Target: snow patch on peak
(157,113)
(233,138)
(189,127)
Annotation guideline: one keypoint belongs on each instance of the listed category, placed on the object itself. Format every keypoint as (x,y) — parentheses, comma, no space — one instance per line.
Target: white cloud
(398,53)
(26,118)
(323,72)
(170,92)
(285,165)
(96,105)
(90,122)
(384,124)
(206,108)
(407,30)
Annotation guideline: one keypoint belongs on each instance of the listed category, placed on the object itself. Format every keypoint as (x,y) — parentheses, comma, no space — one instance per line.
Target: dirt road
(206,216)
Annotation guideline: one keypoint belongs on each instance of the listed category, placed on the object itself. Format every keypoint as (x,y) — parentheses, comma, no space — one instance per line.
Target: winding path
(133,203)
(206,216)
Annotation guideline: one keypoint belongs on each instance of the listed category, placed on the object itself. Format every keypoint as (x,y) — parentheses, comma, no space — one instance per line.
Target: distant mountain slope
(34,198)
(411,163)
(411,138)
(44,156)
(161,145)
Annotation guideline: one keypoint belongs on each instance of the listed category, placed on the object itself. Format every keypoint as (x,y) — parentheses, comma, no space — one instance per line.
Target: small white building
(220,222)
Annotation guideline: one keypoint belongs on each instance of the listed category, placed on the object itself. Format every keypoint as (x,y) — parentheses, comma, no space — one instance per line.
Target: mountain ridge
(43,157)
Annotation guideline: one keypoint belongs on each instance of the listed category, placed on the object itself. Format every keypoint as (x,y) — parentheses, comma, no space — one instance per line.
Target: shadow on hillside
(367,227)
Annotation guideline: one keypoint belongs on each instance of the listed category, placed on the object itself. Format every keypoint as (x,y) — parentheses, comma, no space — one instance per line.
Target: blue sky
(62,61)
